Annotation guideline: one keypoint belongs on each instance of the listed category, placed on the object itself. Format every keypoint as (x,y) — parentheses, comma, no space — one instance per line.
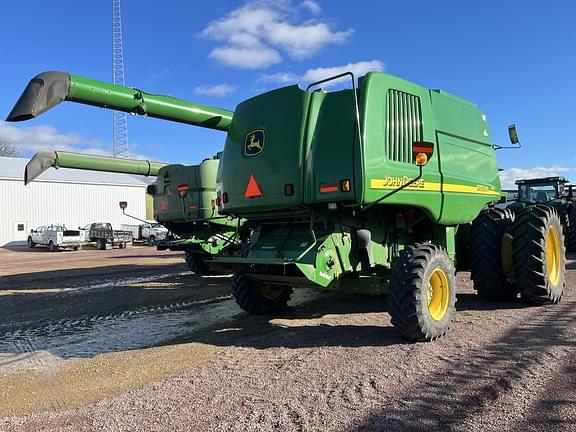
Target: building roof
(13,168)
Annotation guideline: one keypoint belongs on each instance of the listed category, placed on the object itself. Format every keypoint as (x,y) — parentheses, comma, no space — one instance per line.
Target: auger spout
(56,159)
(48,89)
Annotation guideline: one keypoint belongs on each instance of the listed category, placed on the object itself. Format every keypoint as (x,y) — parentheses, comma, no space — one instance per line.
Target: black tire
(463,247)
(491,265)
(51,246)
(102,244)
(196,264)
(562,209)
(121,245)
(257,298)
(75,248)
(31,244)
(539,254)
(152,241)
(571,213)
(418,268)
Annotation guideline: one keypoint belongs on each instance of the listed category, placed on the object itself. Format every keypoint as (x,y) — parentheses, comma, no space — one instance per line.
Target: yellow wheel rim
(271,292)
(553,255)
(438,294)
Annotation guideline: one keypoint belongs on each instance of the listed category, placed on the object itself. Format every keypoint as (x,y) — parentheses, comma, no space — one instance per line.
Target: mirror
(513,134)
(123,205)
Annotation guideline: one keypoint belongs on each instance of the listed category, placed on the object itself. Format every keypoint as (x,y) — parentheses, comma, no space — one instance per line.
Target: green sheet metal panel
(332,149)
(382,174)
(199,201)
(277,118)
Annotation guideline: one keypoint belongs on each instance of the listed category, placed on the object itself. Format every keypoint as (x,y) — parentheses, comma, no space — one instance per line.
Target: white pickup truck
(55,237)
(150,232)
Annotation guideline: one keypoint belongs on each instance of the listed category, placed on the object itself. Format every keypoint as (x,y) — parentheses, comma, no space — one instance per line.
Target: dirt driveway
(130,340)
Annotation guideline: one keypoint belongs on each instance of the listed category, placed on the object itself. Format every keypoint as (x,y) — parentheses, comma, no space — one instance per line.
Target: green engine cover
(292,150)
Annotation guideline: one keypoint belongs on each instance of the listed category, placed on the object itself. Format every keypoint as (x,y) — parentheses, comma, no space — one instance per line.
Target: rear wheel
(539,254)
(258,298)
(31,244)
(196,264)
(491,255)
(571,212)
(423,292)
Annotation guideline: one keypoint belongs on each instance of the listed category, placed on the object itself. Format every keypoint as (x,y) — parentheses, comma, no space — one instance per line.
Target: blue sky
(515,59)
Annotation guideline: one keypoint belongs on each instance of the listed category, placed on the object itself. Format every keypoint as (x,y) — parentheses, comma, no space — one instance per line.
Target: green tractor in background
(552,191)
(372,189)
(184,200)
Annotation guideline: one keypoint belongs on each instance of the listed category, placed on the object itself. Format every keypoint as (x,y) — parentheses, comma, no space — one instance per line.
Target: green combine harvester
(184,200)
(382,188)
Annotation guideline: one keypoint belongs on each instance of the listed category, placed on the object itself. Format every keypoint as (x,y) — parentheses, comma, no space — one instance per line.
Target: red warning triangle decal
(252,190)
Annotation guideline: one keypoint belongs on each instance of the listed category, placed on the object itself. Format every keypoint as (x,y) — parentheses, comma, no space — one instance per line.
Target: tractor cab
(542,190)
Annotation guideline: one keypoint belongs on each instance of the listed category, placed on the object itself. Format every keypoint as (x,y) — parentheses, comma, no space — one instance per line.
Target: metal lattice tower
(119,119)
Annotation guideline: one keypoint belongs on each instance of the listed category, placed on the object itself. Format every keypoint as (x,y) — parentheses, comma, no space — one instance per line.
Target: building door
(20,231)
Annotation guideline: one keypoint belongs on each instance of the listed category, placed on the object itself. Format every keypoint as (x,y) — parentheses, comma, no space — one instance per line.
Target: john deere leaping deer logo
(254,142)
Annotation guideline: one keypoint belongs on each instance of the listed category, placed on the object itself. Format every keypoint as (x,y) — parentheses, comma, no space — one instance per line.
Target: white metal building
(67,196)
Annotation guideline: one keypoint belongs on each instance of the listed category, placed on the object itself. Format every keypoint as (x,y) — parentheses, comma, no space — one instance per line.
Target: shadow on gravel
(550,412)
(301,326)
(472,381)
(172,256)
(468,301)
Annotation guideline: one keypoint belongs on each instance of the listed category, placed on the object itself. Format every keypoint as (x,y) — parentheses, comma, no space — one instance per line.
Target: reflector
(252,189)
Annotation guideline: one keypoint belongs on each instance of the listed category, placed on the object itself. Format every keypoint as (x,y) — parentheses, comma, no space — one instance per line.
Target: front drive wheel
(51,246)
(258,298)
(423,292)
(31,244)
(539,254)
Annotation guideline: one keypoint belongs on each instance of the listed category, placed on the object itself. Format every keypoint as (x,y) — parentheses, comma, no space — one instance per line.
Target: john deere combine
(361,190)
(184,198)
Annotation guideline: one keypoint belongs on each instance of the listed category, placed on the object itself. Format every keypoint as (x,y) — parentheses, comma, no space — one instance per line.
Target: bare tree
(8,149)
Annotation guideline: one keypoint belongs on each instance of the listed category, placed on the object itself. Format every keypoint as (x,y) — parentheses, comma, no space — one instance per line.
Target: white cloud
(358,69)
(246,57)
(311,75)
(219,90)
(45,137)
(256,35)
(312,6)
(280,78)
(509,176)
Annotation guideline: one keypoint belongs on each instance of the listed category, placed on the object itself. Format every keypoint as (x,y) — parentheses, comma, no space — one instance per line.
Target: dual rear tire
(539,254)
(518,253)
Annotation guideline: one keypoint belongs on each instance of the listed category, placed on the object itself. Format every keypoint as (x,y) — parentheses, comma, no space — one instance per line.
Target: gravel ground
(335,364)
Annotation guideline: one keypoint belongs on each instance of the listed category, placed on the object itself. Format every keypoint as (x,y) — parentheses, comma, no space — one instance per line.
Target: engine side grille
(404,125)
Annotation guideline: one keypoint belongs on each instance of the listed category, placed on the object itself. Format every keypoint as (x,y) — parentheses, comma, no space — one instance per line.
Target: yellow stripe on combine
(390,184)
